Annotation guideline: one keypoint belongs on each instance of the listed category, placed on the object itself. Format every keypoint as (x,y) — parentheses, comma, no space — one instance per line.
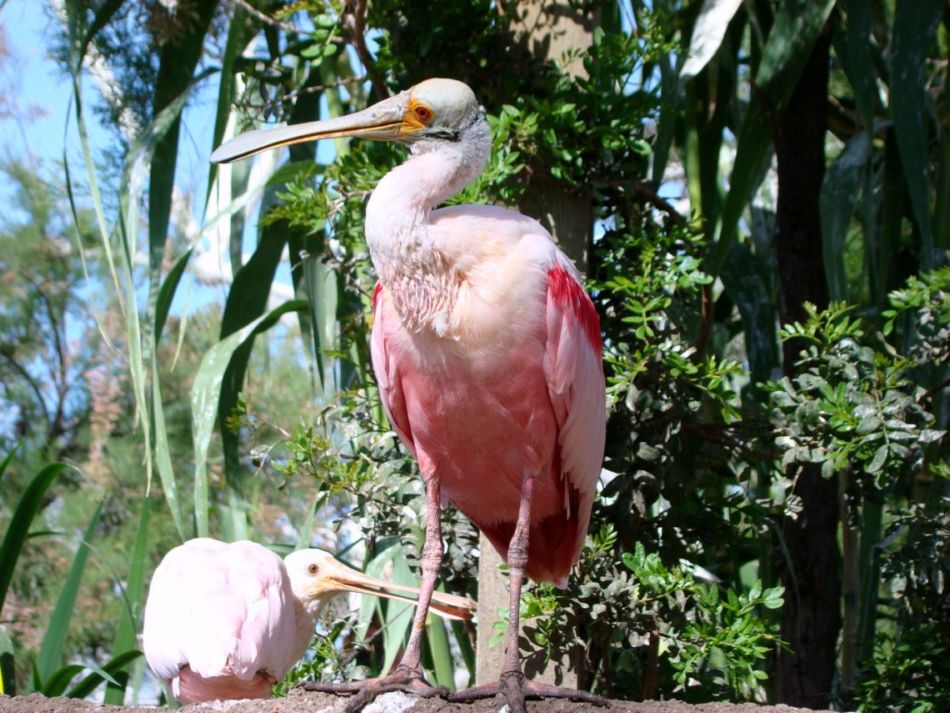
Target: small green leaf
(877,462)
(133,596)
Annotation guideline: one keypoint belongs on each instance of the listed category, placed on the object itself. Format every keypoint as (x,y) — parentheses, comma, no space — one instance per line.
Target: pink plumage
(516,384)
(216,621)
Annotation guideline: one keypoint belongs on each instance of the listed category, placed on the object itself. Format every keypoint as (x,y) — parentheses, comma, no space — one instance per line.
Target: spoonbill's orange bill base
(226,621)
(486,350)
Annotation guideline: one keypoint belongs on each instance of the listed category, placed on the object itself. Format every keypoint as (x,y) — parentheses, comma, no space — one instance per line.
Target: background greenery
(760,193)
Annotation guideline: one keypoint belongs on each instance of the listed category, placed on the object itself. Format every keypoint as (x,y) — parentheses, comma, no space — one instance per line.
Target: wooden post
(548,29)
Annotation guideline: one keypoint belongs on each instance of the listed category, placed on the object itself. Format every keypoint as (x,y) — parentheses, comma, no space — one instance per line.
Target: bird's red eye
(312,569)
(423,113)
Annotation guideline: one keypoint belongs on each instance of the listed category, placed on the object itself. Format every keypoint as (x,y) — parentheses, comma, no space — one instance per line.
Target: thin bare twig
(705,324)
(354,20)
(296,93)
(31,382)
(646,193)
(939,387)
(263,17)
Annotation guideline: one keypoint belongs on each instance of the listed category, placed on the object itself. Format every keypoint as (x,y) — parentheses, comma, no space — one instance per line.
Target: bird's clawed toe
(516,691)
(363,693)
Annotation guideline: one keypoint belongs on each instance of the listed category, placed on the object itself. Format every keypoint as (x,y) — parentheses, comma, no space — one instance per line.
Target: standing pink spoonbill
(487,353)
(225,621)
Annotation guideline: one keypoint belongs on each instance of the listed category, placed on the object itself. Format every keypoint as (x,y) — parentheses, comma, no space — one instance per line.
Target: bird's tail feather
(554,543)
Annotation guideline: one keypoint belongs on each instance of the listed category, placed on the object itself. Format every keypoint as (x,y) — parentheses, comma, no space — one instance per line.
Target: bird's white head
(435,112)
(440,110)
(316,576)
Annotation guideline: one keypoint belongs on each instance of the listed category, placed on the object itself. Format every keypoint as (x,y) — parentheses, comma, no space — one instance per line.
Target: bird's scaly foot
(516,690)
(402,679)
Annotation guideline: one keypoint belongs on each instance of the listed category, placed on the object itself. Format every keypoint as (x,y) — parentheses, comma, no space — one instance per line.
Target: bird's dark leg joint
(518,551)
(432,549)
(509,678)
(431,555)
(409,673)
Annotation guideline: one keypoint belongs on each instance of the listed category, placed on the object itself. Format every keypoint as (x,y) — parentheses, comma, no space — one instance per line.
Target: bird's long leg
(408,675)
(512,679)
(511,683)
(431,563)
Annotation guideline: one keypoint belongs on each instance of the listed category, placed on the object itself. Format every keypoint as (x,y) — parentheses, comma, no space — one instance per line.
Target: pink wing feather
(394,402)
(575,376)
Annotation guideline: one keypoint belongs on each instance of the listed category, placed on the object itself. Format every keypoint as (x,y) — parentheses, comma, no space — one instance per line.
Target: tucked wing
(574,371)
(384,366)
(220,609)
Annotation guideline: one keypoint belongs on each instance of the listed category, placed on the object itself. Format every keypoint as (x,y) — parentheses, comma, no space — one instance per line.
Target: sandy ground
(300,702)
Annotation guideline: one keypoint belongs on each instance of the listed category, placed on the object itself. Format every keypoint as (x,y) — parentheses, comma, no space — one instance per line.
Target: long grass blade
(128,625)
(746,279)
(398,616)
(708,33)
(162,454)
(158,154)
(51,650)
(234,46)
(167,294)
(137,168)
(915,27)
(105,235)
(320,283)
(163,462)
(306,529)
(6,460)
(100,20)
(247,299)
(460,629)
(114,673)
(19,526)
(7,677)
(839,195)
(859,67)
(666,122)
(388,547)
(59,679)
(794,32)
(442,663)
(870,563)
(205,395)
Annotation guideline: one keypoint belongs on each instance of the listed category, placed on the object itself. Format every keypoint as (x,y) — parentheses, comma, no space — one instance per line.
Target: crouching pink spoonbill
(226,621)
(487,353)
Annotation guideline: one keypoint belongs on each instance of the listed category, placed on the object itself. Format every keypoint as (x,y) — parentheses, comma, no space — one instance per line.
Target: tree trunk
(811,618)
(548,30)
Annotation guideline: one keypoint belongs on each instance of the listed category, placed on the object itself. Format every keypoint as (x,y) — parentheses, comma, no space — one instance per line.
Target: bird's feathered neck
(406,258)
(306,613)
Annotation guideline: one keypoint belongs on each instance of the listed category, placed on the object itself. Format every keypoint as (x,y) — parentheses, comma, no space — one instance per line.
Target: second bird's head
(316,576)
(434,113)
